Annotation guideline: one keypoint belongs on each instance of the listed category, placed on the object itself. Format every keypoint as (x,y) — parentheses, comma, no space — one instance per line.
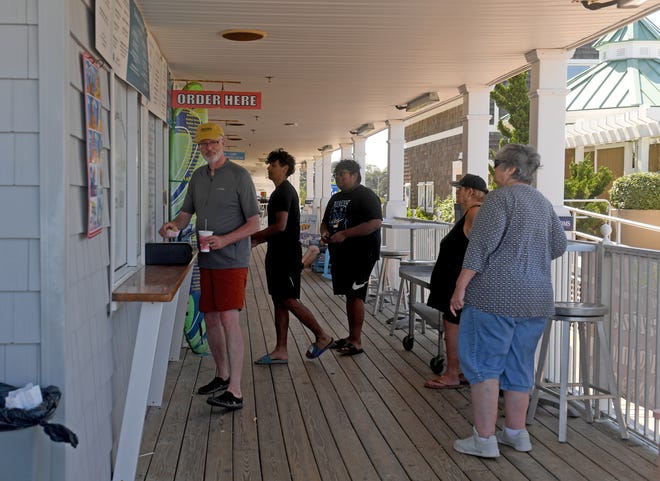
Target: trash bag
(12,419)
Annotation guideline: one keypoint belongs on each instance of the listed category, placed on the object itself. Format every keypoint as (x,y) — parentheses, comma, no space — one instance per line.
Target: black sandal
(340,343)
(350,350)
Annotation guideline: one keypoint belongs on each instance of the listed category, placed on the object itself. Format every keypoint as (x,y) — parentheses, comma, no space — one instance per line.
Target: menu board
(137,66)
(158,80)
(124,41)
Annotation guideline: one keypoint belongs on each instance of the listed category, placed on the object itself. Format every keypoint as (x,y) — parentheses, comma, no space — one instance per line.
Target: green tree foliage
(513,96)
(302,191)
(639,190)
(586,183)
(376,179)
(443,210)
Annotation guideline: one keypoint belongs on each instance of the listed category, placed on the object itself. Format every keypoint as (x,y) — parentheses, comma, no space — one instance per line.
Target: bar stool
(384,287)
(580,315)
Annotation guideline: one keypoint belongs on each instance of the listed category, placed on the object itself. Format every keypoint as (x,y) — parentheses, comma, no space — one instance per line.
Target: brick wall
(432,161)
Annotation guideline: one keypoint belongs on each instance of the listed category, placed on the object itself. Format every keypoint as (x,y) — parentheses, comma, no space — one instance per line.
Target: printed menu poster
(124,41)
(92,88)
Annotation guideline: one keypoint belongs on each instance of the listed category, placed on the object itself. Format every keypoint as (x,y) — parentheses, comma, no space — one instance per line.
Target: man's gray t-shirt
(222,203)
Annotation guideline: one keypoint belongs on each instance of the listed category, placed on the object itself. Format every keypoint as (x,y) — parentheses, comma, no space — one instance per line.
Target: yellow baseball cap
(209,131)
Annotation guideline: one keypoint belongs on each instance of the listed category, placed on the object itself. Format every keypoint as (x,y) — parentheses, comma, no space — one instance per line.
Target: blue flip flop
(313,351)
(266,360)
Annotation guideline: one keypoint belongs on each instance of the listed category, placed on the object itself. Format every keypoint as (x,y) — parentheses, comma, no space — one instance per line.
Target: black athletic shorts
(350,272)
(283,274)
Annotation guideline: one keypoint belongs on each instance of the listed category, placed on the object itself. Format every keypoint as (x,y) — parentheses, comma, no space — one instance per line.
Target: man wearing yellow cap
(223,196)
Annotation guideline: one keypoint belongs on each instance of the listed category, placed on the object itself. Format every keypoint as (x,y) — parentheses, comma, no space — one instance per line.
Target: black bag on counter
(167,253)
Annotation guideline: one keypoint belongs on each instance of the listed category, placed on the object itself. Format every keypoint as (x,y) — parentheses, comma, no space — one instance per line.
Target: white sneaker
(519,442)
(476,447)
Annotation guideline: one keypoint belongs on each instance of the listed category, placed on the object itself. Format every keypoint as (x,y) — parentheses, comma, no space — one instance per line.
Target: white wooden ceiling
(330,65)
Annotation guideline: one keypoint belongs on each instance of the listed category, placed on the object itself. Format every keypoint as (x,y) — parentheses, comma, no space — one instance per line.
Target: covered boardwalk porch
(366,417)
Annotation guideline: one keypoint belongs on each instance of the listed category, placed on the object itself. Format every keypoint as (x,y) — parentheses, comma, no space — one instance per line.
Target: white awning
(614,128)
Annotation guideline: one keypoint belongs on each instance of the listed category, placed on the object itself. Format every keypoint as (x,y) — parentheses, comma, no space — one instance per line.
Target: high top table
(162,292)
(412,228)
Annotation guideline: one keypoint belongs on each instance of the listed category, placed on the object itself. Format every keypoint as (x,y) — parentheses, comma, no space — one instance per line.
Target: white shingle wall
(89,355)
(88,358)
(19,194)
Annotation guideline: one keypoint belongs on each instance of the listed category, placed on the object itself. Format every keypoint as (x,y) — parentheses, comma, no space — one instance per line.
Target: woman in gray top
(506,295)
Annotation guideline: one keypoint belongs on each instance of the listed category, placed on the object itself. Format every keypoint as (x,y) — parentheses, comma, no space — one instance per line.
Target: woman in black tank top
(470,192)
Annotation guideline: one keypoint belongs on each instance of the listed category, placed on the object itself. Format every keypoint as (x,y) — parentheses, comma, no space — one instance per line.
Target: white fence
(626,280)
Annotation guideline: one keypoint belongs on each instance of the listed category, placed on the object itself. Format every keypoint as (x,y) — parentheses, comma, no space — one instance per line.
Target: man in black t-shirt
(284,261)
(351,229)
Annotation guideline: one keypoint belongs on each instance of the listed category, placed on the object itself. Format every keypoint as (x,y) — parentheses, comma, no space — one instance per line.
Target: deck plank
(366,417)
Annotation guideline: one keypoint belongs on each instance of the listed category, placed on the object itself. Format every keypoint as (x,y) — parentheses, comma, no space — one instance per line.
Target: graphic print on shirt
(337,218)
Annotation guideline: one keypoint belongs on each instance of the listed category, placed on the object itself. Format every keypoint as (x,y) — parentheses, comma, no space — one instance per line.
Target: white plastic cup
(203,236)
(171,233)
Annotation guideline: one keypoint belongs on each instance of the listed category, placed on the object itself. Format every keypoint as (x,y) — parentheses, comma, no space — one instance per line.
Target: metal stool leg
(395,319)
(378,301)
(563,380)
(584,369)
(534,401)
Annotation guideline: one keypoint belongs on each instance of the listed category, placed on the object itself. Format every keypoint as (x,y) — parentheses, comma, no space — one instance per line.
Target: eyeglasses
(206,143)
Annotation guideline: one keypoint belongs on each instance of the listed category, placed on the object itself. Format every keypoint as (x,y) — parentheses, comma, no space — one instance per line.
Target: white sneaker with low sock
(477,446)
(519,442)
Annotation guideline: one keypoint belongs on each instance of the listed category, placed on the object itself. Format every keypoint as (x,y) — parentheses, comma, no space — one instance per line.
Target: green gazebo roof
(623,82)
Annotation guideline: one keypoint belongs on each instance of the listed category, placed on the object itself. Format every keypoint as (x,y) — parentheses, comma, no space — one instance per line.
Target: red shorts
(222,289)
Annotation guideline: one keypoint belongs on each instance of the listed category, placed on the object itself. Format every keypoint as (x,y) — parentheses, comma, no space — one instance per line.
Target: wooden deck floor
(366,417)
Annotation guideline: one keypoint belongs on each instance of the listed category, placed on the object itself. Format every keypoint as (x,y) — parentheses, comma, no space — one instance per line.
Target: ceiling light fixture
(242,35)
(419,102)
(290,124)
(324,148)
(598,4)
(229,123)
(630,3)
(362,129)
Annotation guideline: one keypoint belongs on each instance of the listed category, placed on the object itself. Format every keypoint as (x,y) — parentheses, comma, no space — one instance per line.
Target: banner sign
(566,222)
(232,155)
(216,99)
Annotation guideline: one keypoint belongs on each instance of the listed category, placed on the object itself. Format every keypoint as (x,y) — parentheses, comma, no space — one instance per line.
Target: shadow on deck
(366,417)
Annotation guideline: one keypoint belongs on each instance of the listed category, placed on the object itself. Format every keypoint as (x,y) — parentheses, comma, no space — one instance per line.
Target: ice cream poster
(94,137)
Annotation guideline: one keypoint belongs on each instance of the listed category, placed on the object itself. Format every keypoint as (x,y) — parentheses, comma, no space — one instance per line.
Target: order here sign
(208,99)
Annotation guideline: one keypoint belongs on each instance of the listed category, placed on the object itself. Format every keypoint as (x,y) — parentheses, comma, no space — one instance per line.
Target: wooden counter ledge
(152,284)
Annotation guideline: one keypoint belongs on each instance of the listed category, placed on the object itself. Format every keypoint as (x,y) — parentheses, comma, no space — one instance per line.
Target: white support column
(630,158)
(346,151)
(476,129)
(547,118)
(360,152)
(327,174)
(318,182)
(395,205)
(294,179)
(642,154)
(308,166)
